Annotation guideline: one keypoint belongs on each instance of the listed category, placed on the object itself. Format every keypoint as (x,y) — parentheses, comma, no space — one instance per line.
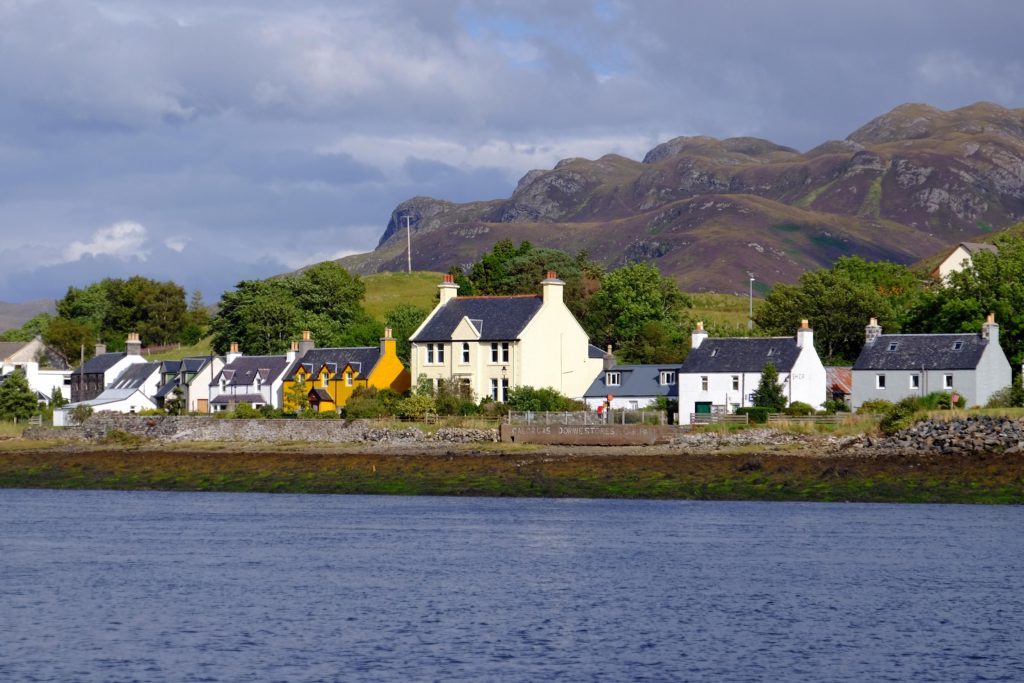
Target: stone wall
(961,436)
(189,428)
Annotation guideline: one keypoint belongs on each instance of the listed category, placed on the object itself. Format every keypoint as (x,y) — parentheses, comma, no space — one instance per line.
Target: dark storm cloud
(254,136)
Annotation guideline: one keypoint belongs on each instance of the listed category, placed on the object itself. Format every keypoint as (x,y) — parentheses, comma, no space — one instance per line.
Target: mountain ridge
(713,212)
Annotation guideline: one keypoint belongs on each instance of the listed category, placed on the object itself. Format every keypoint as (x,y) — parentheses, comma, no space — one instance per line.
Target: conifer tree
(17,400)
(769,392)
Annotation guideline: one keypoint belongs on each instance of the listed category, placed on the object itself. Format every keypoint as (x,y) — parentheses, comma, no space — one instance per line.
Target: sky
(210,142)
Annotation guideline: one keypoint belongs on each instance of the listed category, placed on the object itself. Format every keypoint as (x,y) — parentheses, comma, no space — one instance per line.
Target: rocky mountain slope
(712,212)
(16,315)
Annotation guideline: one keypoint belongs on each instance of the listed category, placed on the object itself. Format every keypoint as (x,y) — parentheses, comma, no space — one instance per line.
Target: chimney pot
(700,325)
(448,277)
(803,324)
(387,333)
(305,335)
(234,347)
(991,318)
(552,275)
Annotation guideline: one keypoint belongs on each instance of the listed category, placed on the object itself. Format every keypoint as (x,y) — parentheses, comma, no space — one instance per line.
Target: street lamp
(750,319)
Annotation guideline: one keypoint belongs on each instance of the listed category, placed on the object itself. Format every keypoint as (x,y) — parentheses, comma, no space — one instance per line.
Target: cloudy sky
(208,142)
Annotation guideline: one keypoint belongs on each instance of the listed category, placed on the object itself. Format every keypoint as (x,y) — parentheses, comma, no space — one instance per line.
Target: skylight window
(714,352)
(771,351)
(957,345)
(893,345)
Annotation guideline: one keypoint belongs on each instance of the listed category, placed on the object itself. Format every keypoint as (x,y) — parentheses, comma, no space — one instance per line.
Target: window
(947,381)
(499,352)
(634,405)
(465,352)
(915,381)
(893,346)
(499,389)
(703,382)
(612,379)
(880,381)
(667,377)
(771,351)
(435,354)
(348,379)
(957,345)
(323,380)
(714,352)
(735,382)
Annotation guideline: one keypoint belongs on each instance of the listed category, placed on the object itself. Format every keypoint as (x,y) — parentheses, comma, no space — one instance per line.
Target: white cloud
(177,243)
(123,240)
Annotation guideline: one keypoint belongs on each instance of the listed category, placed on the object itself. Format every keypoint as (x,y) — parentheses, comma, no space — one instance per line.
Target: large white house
(721,374)
(99,372)
(43,378)
(960,258)
(254,381)
(131,392)
(493,344)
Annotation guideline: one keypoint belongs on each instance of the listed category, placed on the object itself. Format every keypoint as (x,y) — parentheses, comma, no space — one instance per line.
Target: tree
(403,320)
(58,400)
(296,397)
(80,413)
(113,307)
(769,392)
(838,302)
(642,313)
(176,405)
(36,326)
(68,337)
(546,399)
(17,400)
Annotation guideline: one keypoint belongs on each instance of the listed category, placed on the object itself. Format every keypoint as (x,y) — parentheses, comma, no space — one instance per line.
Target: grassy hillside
(722,312)
(386,290)
(202,348)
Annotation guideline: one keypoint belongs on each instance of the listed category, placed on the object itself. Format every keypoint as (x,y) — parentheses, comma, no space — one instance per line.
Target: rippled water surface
(103,586)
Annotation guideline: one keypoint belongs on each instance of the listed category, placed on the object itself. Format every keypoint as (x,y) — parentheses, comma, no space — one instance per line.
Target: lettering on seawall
(604,435)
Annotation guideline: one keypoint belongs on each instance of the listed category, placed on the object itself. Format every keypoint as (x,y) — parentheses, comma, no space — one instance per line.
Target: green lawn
(200,349)
(386,290)
(727,311)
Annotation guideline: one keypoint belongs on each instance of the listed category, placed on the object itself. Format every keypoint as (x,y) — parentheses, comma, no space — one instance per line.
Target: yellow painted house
(329,376)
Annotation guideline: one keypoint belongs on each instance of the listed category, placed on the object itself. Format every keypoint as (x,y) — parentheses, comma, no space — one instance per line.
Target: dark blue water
(113,586)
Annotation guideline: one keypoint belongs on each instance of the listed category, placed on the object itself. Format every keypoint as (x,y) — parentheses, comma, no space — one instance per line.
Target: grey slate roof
(242,371)
(362,358)
(498,318)
(100,363)
(134,376)
(594,352)
(226,399)
(11,348)
(635,380)
(916,351)
(742,354)
(167,389)
(975,247)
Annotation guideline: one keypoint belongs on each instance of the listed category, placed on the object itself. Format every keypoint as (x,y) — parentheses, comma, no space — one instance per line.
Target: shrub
(540,400)
(876,406)
(119,437)
(245,411)
(416,406)
(799,408)
(757,414)
(364,408)
(79,414)
(832,407)
(900,416)
(769,392)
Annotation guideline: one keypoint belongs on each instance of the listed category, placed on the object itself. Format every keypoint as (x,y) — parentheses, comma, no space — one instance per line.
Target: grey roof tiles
(362,359)
(917,351)
(742,354)
(497,318)
(634,380)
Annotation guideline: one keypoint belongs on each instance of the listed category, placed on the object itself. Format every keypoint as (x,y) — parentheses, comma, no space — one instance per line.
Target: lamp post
(750,319)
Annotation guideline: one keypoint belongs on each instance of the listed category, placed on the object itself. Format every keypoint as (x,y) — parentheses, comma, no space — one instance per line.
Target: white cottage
(721,374)
(961,257)
(493,344)
(254,381)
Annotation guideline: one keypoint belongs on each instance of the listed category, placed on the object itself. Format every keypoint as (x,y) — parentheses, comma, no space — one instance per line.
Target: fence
(775,418)
(621,416)
(718,418)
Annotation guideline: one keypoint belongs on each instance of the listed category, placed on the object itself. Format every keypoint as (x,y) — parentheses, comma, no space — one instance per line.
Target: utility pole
(750,320)
(81,373)
(408,242)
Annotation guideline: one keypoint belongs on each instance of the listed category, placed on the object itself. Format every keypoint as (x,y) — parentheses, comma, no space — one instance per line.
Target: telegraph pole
(408,243)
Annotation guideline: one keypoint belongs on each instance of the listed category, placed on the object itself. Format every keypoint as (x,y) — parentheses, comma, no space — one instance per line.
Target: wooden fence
(718,418)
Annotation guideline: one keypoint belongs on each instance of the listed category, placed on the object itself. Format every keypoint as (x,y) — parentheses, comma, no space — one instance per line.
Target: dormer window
(667,377)
(612,379)
(714,352)
(957,345)
(771,351)
(323,380)
(893,346)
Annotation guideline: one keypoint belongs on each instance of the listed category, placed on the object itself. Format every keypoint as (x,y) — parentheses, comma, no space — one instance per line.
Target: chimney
(233,353)
(101,348)
(292,352)
(804,335)
(551,288)
(448,290)
(990,330)
(388,345)
(872,332)
(307,344)
(132,345)
(609,359)
(698,336)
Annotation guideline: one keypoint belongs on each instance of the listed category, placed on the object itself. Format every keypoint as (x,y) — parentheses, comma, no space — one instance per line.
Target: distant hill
(16,315)
(711,212)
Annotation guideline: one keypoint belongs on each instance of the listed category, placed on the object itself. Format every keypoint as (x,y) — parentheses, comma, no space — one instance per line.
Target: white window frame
(613,378)
(880,382)
(947,381)
(429,354)
(705,382)
(634,405)
(494,388)
(465,353)
(915,381)
(667,378)
(735,382)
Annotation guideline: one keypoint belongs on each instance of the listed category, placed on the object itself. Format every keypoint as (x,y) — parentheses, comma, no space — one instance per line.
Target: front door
(203,405)
(702,407)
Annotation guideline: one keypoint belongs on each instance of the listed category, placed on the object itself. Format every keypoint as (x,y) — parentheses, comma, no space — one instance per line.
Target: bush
(245,411)
(799,409)
(455,398)
(757,414)
(541,400)
(876,406)
(79,414)
(900,416)
(416,406)
(119,437)
(833,406)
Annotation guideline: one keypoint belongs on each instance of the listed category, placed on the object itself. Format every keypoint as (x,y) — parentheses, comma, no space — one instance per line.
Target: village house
(960,258)
(190,379)
(895,366)
(329,376)
(45,369)
(631,386)
(721,374)
(255,381)
(100,371)
(131,392)
(492,344)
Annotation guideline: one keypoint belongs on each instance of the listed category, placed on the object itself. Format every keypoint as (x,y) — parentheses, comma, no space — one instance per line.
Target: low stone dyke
(960,436)
(190,428)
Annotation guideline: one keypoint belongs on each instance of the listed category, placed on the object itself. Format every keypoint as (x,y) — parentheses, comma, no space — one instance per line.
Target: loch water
(148,586)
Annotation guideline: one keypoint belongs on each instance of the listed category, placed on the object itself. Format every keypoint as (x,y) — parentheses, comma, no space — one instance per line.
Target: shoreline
(802,471)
